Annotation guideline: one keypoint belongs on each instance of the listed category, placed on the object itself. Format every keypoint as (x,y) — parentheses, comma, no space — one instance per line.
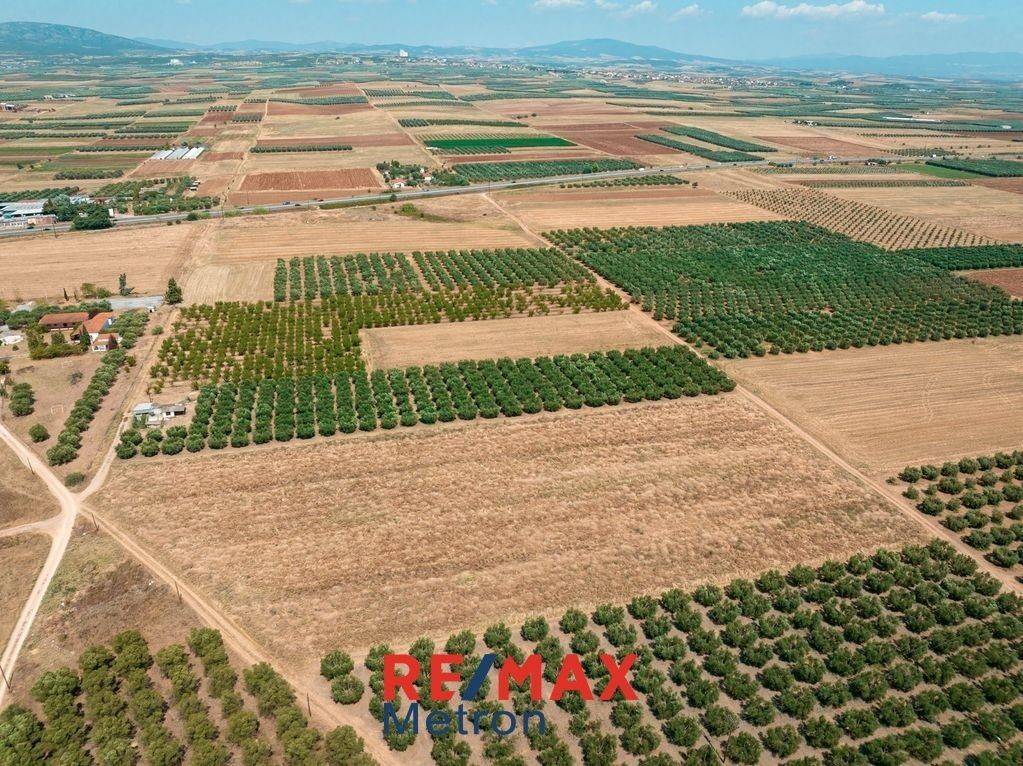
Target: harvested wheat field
(987,212)
(570,209)
(868,223)
(1013,185)
(255,238)
(1010,280)
(23,498)
(237,282)
(386,347)
(21,558)
(42,267)
(888,407)
(392,536)
(813,146)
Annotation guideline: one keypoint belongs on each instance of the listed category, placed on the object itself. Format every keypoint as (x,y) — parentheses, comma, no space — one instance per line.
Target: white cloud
(687,12)
(768,9)
(607,5)
(644,6)
(557,3)
(942,18)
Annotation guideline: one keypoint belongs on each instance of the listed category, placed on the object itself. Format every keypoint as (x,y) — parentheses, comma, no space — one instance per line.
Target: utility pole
(6,679)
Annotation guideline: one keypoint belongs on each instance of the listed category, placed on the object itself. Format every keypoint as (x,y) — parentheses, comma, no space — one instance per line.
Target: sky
(746,29)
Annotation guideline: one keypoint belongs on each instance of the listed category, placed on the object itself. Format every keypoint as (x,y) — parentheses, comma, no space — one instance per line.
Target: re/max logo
(439,721)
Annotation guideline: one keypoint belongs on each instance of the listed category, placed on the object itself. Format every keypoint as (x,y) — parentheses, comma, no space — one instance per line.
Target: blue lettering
(391,719)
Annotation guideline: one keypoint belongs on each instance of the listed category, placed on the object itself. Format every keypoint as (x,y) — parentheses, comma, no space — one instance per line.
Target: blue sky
(728,28)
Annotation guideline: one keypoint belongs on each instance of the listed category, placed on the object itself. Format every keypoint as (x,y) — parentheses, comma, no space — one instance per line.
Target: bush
(38,433)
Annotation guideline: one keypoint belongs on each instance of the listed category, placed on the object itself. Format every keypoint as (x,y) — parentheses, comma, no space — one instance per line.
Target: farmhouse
(157,414)
(66,321)
(98,325)
(103,341)
(7,106)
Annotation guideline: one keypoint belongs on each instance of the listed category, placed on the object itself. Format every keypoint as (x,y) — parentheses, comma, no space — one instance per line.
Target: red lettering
(439,676)
(530,670)
(618,681)
(393,681)
(571,678)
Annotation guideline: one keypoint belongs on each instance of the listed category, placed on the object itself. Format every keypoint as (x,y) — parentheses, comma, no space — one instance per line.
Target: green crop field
(485,144)
(510,171)
(770,287)
(996,168)
(964,258)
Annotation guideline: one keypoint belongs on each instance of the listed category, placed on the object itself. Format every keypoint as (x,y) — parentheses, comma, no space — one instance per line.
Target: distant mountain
(605,50)
(30,38)
(987,66)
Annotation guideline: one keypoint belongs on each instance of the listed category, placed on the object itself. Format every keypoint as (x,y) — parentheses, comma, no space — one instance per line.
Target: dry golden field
(42,266)
(671,206)
(349,542)
(385,347)
(987,212)
(887,407)
(21,558)
(23,498)
(868,223)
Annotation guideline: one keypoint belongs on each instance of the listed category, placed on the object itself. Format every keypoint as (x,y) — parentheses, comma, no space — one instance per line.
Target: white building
(29,208)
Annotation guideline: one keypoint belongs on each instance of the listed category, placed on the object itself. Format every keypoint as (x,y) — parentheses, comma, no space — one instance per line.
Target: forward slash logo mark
(472,689)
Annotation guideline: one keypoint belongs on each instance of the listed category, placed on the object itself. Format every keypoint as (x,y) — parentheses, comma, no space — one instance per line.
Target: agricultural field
(985,167)
(989,213)
(664,466)
(21,558)
(781,287)
(978,498)
(389,347)
(1010,280)
(625,206)
(862,221)
(887,407)
(23,498)
(505,171)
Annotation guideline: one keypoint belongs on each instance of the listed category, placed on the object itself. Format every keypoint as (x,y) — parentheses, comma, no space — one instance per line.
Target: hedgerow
(880,659)
(784,286)
(238,414)
(69,440)
(285,148)
(980,499)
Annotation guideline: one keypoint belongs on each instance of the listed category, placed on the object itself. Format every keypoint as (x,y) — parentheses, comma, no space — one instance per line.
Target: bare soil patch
(887,407)
(218,156)
(814,145)
(375,139)
(1010,280)
(386,347)
(21,558)
(1014,185)
(310,179)
(389,537)
(276,108)
(613,142)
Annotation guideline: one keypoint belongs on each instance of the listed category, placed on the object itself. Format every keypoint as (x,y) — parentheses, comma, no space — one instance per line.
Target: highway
(440,191)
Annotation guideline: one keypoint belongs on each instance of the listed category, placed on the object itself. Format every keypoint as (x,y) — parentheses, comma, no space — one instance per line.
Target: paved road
(441,191)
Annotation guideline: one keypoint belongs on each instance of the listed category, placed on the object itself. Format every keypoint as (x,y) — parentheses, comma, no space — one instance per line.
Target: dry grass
(571,208)
(386,347)
(258,239)
(815,146)
(987,212)
(393,535)
(23,498)
(21,558)
(858,220)
(310,179)
(43,267)
(887,407)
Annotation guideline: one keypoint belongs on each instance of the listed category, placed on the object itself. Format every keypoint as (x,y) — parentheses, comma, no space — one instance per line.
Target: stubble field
(389,537)
(887,407)
(387,347)
(21,558)
(23,498)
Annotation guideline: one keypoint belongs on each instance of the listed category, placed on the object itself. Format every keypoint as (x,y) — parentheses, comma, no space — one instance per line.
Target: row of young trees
(69,440)
(360,274)
(262,411)
(902,656)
